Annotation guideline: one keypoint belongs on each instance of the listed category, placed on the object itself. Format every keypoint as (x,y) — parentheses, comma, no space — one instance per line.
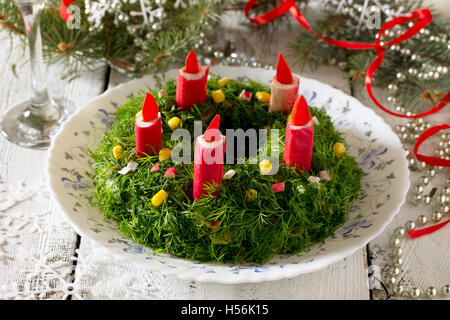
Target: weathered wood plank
(102,276)
(35,242)
(427,260)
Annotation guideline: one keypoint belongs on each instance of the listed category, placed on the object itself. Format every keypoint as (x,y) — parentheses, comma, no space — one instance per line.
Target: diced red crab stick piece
(301,114)
(284,73)
(209,135)
(191,63)
(149,109)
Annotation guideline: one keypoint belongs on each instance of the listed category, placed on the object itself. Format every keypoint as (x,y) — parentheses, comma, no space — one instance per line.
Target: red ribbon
(431,160)
(424,231)
(423,17)
(63,12)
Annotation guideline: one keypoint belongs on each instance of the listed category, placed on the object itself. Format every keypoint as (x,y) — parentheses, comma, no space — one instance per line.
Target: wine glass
(32,123)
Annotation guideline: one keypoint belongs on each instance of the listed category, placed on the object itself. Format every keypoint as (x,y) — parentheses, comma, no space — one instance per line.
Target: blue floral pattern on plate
(368,138)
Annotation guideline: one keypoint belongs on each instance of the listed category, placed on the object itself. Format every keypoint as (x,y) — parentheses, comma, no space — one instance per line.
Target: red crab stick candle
(148,128)
(191,83)
(298,144)
(208,158)
(284,88)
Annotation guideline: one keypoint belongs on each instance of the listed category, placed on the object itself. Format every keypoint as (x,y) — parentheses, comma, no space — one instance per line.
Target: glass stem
(31,13)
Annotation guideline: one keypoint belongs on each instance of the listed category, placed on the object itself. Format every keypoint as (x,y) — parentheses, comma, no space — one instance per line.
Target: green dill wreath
(230,227)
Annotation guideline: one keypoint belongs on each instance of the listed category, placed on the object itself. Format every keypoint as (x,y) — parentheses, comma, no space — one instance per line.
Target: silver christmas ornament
(431,292)
(417,199)
(446,290)
(400,109)
(394,271)
(424,180)
(218,54)
(156,26)
(395,242)
(422,220)
(404,137)
(399,232)
(401,76)
(391,99)
(410,225)
(421,165)
(392,87)
(398,252)
(443,199)
(436,216)
(412,164)
(445,210)
(419,128)
(397,262)
(419,121)
(392,281)
(415,292)
(431,173)
(412,71)
(405,51)
(398,290)
(446,191)
(401,128)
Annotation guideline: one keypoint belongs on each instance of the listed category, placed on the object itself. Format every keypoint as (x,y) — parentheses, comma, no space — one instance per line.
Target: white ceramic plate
(368,138)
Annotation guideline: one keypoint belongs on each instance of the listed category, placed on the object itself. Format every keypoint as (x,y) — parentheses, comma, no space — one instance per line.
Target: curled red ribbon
(423,17)
(431,160)
(428,230)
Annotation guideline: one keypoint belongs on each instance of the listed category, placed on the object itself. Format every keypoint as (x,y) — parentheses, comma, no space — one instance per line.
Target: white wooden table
(41,256)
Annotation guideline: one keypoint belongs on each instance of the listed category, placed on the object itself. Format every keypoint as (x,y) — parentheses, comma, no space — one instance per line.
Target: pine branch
(414,78)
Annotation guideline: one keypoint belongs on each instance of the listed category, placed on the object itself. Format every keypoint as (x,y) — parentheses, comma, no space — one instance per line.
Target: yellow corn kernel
(138,114)
(224,237)
(251,195)
(175,123)
(223,82)
(289,117)
(339,149)
(117,150)
(218,96)
(165,154)
(263,96)
(159,198)
(265,166)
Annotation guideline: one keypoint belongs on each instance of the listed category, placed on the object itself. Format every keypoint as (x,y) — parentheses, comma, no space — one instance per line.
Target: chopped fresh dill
(286,222)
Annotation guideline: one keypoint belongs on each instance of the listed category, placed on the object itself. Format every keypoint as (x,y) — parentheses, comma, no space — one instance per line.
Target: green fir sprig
(130,46)
(229,227)
(416,71)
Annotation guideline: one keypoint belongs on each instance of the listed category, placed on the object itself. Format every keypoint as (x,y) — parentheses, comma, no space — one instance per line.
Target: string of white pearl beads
(395,271)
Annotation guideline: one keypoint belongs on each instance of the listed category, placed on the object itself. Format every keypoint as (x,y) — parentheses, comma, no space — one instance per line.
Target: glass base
(32,127)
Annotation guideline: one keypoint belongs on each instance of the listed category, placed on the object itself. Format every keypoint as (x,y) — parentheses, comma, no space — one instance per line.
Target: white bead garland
(393,273)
